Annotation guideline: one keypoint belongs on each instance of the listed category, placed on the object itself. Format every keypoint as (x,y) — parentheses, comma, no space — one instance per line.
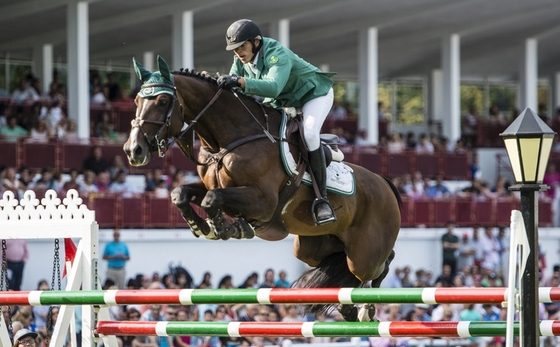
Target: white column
(78,65)
(436,95)
(529,76)
(556,95)
(182,41)
(47,65)
(451,59)
(43,64)
(280,31)
(148,60)
(368,72)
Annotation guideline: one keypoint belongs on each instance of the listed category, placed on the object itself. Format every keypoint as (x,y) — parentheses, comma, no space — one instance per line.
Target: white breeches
(314,114)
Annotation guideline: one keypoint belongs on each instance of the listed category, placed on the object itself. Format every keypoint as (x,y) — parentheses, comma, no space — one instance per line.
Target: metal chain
(4,279)
(55,274)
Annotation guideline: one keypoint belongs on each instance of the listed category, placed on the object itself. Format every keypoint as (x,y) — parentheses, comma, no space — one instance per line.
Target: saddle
(295,138)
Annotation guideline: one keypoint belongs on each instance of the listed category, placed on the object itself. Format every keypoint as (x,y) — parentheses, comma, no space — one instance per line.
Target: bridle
(162,144)
(158,142)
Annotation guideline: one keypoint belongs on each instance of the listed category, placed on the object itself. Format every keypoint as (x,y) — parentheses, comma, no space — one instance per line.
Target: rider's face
(245,52)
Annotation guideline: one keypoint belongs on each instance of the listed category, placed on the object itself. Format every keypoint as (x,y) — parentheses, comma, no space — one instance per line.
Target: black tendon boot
(321,209)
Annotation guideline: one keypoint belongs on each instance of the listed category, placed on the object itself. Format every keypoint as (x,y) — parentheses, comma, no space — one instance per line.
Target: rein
(163,144)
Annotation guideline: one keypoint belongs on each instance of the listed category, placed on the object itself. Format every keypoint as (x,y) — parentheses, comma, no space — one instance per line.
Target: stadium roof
(410,32)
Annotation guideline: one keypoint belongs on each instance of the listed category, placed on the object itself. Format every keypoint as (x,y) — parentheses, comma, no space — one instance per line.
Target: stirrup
(317,222)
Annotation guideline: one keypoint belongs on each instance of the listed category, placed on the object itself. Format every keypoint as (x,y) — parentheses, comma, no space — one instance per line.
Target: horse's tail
(395,191)
(332,272)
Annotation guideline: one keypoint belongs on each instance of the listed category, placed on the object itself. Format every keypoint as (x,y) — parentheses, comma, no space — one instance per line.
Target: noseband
(160,143)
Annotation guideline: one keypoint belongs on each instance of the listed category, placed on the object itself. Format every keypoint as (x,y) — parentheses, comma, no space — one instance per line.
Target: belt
(116,268)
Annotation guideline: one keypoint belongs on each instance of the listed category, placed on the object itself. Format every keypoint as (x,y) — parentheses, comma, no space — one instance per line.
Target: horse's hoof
(348,312)
(212,232)
(226,234)
(366,313)
(247,231)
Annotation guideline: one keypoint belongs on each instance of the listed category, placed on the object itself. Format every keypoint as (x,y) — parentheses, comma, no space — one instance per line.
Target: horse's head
(158,114)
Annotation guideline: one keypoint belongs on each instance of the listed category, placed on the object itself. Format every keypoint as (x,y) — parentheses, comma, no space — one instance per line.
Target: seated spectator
(459,147)
(72,182)
(25,177)
(57,181)
(29,120)
(421,313)
(11,183)
(445,279)
(25,94)
(87,186)
(117,165)
(54,114)
(478,188)
(11,131)
(103,181)
(67,130)
(96,162)
(424,145)
(45,181)
(152,179)
(104,125)
(438,189)
(121,185)
(410,141)
(40,133)
(106,132)
(395,144)
(98,96)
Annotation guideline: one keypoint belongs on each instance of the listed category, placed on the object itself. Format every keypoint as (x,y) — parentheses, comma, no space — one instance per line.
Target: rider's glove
(228,81)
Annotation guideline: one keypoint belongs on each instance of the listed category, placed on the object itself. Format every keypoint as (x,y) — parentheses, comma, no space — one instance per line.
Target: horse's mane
(214,80)
(192,73)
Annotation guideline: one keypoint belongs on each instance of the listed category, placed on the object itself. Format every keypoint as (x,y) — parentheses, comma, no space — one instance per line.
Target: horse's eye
(163,102)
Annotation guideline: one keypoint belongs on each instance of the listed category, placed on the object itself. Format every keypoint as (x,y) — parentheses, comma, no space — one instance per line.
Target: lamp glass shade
(545,154)
(513,154)
(529,152)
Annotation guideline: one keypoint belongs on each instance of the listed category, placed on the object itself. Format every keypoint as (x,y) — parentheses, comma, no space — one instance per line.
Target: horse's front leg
(182,197)
(247,203)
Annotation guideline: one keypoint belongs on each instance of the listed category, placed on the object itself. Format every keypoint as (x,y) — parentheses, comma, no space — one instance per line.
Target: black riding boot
(322,210)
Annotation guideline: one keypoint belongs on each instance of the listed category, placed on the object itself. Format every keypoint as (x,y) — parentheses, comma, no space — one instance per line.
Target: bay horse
(243,178)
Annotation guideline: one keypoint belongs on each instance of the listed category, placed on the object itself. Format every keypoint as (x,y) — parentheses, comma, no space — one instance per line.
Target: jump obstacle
(461,329)
(494,295)
(55,218)
(29,220)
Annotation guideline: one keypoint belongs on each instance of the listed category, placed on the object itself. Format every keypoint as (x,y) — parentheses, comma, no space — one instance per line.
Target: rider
(263,67)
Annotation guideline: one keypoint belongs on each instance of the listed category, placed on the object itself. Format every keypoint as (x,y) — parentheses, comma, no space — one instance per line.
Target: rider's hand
(229,81)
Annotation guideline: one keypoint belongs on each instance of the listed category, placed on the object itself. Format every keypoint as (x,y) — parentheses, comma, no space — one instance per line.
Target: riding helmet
(241,31)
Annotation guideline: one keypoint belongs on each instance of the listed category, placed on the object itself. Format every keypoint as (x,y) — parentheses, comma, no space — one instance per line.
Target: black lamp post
(528,142)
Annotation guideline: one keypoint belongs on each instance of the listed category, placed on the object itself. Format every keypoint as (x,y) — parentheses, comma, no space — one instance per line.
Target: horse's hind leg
(376,283)
(366,312)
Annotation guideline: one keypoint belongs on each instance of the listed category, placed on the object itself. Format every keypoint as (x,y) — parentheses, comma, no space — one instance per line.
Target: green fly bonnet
(157,82)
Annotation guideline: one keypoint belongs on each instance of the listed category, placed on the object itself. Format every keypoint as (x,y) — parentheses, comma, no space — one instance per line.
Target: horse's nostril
(138,150)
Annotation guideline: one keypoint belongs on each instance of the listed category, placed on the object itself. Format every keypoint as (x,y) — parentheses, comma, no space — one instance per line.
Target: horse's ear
(164,69)
(141,71)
